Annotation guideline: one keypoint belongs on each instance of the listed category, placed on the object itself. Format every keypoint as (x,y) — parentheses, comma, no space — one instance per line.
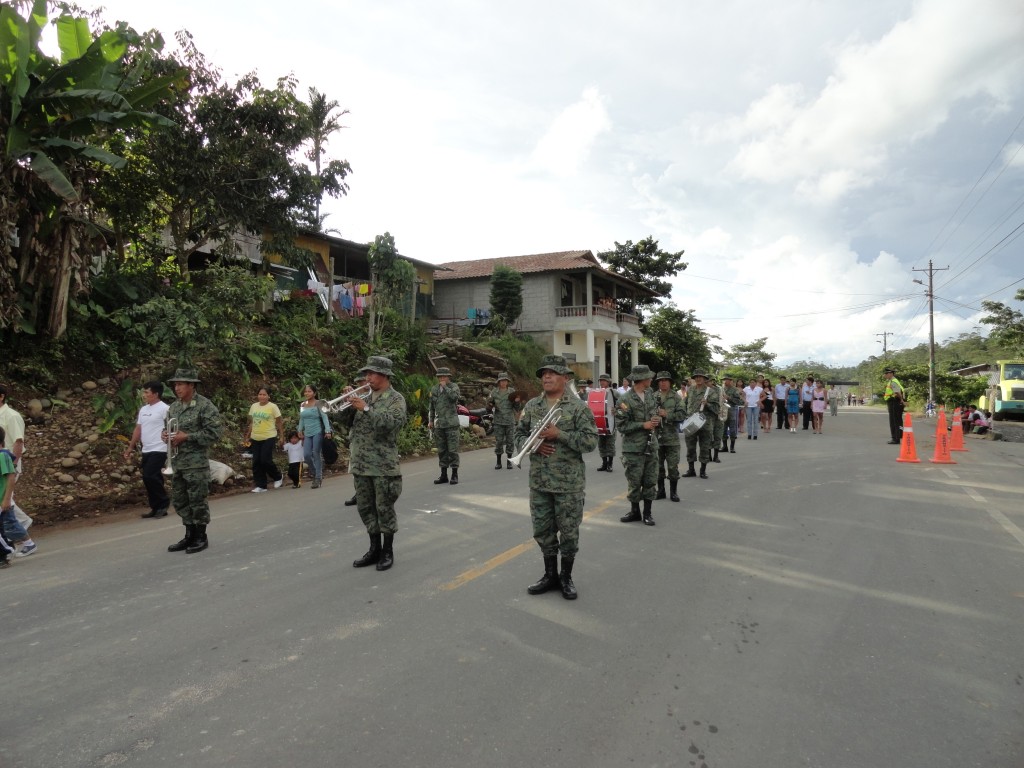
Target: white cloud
(567,144)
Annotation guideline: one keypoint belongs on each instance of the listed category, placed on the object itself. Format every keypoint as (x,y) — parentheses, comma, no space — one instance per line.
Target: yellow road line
(509,554)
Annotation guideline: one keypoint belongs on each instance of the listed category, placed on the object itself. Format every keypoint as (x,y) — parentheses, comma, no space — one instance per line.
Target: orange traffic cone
(956,437)
(942,442)
(908,451)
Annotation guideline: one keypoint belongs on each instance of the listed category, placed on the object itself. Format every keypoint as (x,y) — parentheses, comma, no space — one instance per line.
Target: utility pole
(885,338)
(931,325)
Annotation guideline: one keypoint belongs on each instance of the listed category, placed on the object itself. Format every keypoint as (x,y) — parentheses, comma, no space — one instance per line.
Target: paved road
(814,603)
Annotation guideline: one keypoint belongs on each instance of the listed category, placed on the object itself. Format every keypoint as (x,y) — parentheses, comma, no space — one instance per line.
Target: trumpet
(534,440)
(171,428)
(343,402)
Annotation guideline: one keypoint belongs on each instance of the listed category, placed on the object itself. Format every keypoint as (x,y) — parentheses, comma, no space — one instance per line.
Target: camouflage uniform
(190,483)
(639,445)
(557,482)
(444,414)
(734,396)
(705,434)
(668,434)
(719,429)
(505,410)
(374,463)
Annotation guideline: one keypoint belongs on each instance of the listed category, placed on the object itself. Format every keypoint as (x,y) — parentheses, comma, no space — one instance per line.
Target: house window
(567,293)
(568,339)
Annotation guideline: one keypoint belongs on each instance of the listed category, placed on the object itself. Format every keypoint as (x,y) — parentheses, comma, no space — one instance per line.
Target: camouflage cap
(503,377)
(663,375)
(378,364)
(554,363)
(188,375)
(640,373)
(443,372)
(701,374)
(604,377)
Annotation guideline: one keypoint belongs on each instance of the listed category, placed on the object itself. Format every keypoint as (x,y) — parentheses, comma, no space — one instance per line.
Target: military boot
(372,555)
(199,540)
(351,502)
(611,460)
(387,552)
(497,462)
(455,476)
(690,471)
(185,543)
(648,520)
(673,485)
(715,458)
(661,489)
(550,578)
(634,513)
(704,470)
(568,588)
(725,444)
(508,461)
(444,476)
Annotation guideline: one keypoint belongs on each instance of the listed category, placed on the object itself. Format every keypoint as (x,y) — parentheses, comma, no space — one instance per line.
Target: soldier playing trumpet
(557,473)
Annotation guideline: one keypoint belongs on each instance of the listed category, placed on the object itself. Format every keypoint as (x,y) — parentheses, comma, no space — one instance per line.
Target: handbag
(329,451)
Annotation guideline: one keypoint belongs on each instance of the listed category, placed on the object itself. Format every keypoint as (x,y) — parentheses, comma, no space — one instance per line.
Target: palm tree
(322,121)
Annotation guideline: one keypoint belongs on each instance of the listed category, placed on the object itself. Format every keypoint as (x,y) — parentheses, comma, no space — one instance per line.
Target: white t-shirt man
(151,421)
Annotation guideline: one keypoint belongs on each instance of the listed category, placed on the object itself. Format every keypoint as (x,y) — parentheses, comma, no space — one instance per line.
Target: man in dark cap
(701,397)
(374,423)
(637,420)
(894,402)
(196,426)
(557,474)
(443,418)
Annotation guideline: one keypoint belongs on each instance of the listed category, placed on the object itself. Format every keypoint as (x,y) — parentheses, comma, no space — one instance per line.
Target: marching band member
(443,418)
(671,410)
(505,406)
(557,473)
(637,419)
(374,423)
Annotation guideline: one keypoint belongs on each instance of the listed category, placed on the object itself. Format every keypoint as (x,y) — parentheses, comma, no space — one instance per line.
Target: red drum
(602,405)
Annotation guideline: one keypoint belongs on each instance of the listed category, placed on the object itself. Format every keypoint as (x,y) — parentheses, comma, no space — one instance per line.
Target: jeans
(311,444)
(13,530)
(753,420)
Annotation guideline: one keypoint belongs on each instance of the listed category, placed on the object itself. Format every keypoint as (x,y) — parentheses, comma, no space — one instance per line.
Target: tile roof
(538,262)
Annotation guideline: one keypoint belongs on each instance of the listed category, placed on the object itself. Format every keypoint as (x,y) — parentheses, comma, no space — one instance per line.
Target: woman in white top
(753,395)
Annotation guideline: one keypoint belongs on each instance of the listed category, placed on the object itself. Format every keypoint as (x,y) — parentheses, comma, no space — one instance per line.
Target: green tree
(55,115)
(676,341)
(747,360)
(321,121)
(1007,324)
(506,295)
(393,280)
(644,262)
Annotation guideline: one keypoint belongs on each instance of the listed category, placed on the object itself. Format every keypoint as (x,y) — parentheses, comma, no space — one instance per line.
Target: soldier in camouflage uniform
(347,439)
(374,424)
(718,430)
(197,427)
(443,418)
(606,443)
(557,474)
(637,419)
(671,410)
(734,397)
(694,402)
(505,406)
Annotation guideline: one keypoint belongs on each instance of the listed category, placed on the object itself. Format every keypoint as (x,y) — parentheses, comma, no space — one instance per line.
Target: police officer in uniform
(557,473)
(374,423)
(198,426)
(894,401)
(443,418)
(695,401)
(637,419)
(672,410)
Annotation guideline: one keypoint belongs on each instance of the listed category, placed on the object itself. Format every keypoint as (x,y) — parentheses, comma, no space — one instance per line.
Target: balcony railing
(581,311)
(628,319)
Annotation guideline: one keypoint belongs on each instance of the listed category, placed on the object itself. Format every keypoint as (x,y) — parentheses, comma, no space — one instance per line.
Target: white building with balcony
(572,305)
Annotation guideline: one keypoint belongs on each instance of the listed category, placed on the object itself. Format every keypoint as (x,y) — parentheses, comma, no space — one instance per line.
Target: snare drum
(692,424)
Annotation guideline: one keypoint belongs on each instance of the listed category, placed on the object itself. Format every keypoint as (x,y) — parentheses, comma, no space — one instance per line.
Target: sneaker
(279,483)
(258,490)
(26,550)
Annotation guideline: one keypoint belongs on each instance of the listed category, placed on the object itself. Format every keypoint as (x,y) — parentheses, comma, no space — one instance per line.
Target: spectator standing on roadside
(296,453)
(833,400)
(264,429)
(149,425)
(767,404)
(793,405)
(313,427)
(818,403)
(753,395)
(780,393)
(806,398)
(13,531)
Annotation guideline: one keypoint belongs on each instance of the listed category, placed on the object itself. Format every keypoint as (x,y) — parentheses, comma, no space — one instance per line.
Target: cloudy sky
(807,155)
